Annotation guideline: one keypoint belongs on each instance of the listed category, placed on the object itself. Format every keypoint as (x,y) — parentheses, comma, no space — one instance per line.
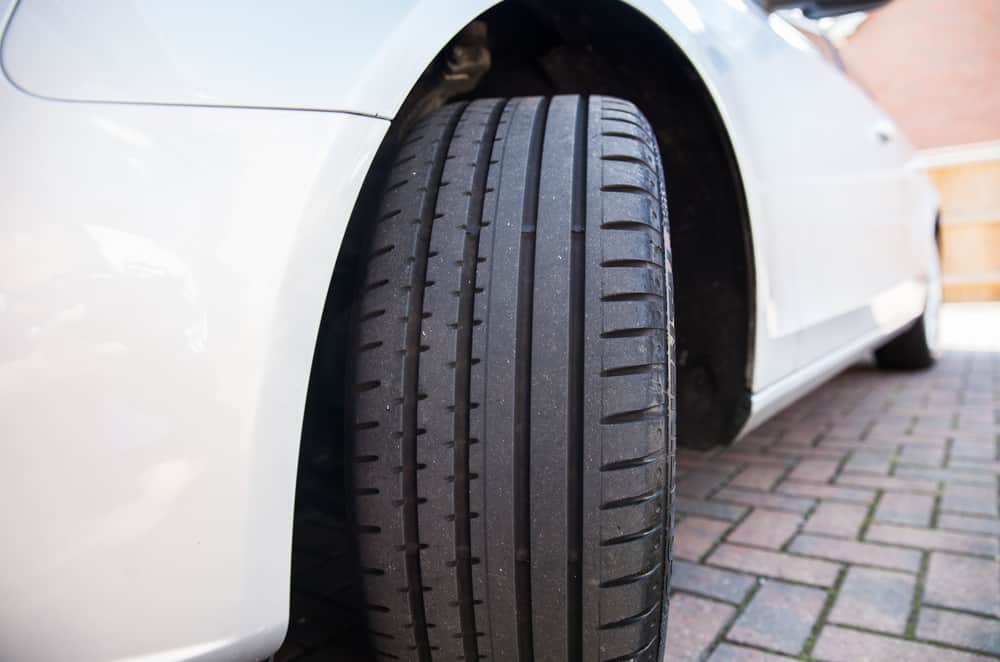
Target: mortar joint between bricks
(740,608)
(831,598)
(910,632)
(703,559)
(869,516)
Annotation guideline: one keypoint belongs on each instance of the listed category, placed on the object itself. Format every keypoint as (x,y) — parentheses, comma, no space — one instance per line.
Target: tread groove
(633,619)
(651,412)
(463,394)
(634,578)
(634,296)
(411,530)
(522,390)
(636,500)
(634,462)
(638,369)
(575,461)
(626,538)
(631,263)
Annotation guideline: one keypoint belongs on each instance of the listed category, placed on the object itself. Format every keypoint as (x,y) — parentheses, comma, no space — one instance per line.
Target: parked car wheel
(917,347)
(513,415)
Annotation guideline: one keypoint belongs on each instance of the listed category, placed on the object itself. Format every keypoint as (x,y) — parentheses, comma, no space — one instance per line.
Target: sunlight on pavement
(970,326)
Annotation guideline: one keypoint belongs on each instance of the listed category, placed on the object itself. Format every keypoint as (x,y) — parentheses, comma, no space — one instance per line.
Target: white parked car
(456,271)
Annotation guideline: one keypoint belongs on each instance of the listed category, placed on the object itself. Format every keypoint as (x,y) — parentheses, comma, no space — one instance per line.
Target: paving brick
(879,435)
(902,508)
(837,644)
(713,509)
(850,551)
(695,535)
(974,450)
(694,625)
(766,528)
(890,483)
(931,457)
(758,477)
(774,564)
(977,466)
(831,454)
(712,582)
(970,499)
(948,541)
(731,653)
(739,456)
(760,438)
(990,527)
(779,617)
(843,520)
(843,430)
(765,500)
(804,433)
(934,422)
(950,475)
(869,462)
(948,627)
(874,600)
(700,483)
(963,582)
(834,492)
(816,471)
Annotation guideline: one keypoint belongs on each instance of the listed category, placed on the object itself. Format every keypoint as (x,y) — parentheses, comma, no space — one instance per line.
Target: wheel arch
(713,259)
(533,47)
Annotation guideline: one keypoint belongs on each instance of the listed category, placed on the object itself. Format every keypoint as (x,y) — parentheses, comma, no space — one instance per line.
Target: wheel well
(521,48)
(529,47)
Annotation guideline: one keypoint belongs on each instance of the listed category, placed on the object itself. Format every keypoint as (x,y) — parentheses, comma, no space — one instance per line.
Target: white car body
(175,183)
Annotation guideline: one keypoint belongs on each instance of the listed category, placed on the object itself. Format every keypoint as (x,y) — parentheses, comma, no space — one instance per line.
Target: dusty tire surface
(511,433)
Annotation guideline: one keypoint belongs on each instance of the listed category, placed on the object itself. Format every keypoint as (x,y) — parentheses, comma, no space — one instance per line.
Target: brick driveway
(860,524)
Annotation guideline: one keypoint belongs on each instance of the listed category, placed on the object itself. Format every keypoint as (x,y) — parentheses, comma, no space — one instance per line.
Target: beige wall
(970,229)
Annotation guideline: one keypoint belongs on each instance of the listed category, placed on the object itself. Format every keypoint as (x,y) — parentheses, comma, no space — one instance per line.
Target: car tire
(909,350)
(511,434)
(916,348)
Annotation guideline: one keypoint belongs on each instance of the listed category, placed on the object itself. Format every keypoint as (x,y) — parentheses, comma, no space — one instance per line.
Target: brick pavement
(860,524)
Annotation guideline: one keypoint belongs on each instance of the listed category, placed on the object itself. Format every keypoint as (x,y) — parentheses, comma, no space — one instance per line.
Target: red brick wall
(934,65)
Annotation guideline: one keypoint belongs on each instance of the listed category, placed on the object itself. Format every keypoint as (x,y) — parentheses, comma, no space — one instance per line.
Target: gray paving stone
(950,627)
(837,644)
(713,582)
(963,582)
(874,600)
(712,509)
(779,617)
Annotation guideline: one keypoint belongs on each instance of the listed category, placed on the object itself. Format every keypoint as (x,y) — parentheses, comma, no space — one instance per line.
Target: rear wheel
(916,348)
(512,420)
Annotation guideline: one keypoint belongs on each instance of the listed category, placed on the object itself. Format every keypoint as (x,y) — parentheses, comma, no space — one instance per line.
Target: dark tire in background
(512,425)
(916,348)
(909,350)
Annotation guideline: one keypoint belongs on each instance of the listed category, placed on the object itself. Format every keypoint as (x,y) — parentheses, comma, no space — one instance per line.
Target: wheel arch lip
(168,267)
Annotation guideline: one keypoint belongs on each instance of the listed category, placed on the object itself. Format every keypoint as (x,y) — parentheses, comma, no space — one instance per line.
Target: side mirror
(824,8)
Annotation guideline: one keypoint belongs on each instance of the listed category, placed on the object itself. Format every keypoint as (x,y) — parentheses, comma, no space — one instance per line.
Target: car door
(844,212)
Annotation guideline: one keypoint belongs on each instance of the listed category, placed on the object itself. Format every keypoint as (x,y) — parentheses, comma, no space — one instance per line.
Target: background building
(935,67)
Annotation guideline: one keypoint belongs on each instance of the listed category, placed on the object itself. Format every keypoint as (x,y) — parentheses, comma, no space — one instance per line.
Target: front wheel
(511,434)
